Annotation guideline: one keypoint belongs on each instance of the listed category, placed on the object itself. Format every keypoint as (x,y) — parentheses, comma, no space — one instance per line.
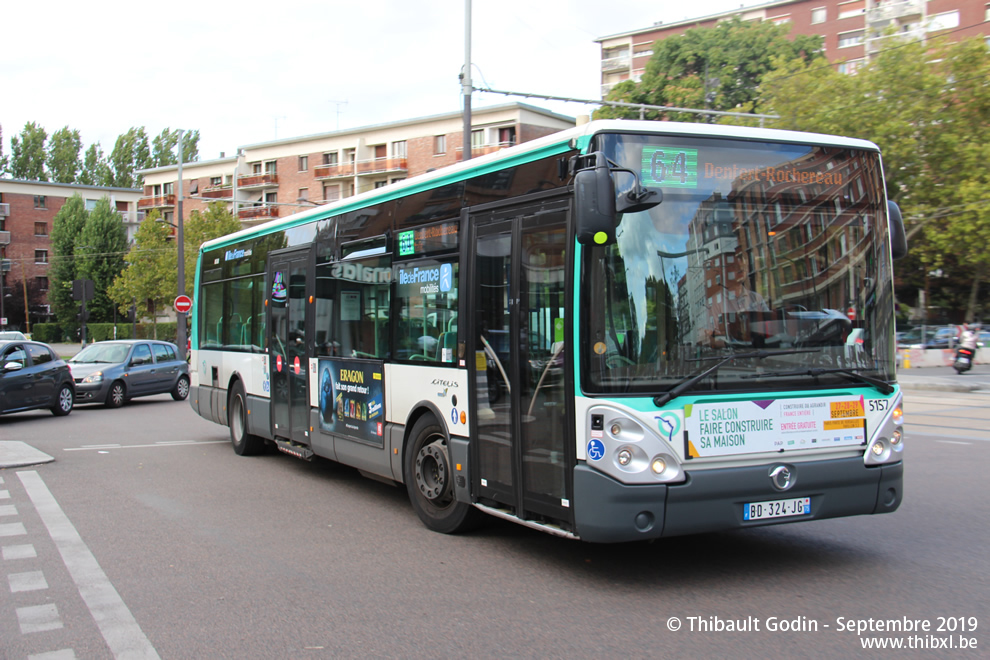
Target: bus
(622,331)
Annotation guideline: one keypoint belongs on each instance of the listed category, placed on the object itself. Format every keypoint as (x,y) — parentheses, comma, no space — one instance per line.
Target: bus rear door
(289,344)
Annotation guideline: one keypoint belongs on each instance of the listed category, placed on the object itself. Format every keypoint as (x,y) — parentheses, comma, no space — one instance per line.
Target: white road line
(8,510)
(12,529)
(64,654)
(116,623)
(38,618)
(25,551)
(157,444)
(29,581)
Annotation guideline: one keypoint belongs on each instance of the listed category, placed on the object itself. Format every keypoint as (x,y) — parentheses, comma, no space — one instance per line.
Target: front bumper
(92,392)
(607,511)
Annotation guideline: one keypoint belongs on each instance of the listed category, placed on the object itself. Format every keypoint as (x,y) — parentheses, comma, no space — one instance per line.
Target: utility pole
(180,317)
(466,85)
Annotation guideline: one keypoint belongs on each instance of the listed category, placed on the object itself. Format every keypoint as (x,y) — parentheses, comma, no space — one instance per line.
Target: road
(130,545)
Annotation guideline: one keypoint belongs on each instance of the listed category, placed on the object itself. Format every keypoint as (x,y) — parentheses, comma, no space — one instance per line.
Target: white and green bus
(623,331)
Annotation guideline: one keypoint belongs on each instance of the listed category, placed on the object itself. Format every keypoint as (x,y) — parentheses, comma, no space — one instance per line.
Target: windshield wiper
(815,372)
(691,381)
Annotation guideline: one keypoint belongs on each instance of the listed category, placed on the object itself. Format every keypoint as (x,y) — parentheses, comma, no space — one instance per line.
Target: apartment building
(273,179)
(852,29)
(27,211)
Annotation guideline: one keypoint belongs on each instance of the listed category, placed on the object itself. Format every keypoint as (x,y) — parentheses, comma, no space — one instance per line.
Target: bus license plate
(800,506)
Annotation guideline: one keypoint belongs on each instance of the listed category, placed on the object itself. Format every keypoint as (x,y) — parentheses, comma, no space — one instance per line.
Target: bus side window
(427,327)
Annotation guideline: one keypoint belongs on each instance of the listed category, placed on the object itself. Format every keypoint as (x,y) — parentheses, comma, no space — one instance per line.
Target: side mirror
(898,237)
(594,202)
(13,366)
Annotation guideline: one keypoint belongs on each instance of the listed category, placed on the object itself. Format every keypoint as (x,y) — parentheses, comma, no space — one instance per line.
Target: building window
(271,198)
(380,184)
(850,66)
(270,167)
(255,168)
(477,139)
(507,136)
(91,203)
(439,145)
(42,283)
(847,39)
(303,163)
(41,256)
(168,187)
(399,149)
(945,21)
(851,9)
(216,181)
(818,15)
(40,202)
(330,158)
(780,20)
(194,187)
(41,229)
(331,193)
(303,194)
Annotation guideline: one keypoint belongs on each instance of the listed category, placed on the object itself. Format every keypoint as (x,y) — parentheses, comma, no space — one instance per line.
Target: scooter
(964,359)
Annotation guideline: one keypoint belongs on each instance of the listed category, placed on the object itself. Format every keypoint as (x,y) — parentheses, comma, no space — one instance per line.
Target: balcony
(260,212)
(484,149)
(610,64)
(4,238)
(132,217)
(156,202)
(380,165)
(334,171)
(256,181)
(883,14)
(219,192)
(4,210)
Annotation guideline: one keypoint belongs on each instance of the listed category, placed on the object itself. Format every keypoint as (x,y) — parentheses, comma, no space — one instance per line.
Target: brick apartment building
(273,179)
(852,29)
(27,209)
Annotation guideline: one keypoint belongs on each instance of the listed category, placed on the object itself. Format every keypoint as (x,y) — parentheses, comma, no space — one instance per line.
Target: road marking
(4,494)
(12,529)
(64,654)
(116,623)
(8,510)
(29,581)
(157,444)
(38,618)
(25,551)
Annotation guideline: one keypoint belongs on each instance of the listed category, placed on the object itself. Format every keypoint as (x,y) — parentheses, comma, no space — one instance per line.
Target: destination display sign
(431,239)
(776,425)
(672,167)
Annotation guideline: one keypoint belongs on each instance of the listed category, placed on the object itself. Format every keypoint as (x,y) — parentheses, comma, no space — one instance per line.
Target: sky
(251,71)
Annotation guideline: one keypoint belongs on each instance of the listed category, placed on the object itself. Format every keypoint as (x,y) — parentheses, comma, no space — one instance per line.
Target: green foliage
(164,152)
(58,333)
(100,251)
(27,153)
(718,68)
(96,170)
(63,155)
(217,221)
(130,153)
(149,278)
(67,225)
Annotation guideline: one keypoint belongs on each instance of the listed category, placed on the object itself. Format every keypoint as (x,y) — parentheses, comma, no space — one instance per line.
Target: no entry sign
(182,304)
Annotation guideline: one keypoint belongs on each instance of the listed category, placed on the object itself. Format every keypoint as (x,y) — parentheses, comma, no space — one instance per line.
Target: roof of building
(660,25)
(72,186)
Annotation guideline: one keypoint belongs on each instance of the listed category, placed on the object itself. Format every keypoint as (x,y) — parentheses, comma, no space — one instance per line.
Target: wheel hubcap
(432,473)
(65,400)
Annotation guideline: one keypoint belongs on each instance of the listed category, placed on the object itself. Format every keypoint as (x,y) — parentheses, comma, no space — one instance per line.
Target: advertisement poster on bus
(774,425)
(352,399)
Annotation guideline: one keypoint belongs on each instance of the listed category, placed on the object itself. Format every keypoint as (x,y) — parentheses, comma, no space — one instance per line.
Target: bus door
(518,341)
(288,343)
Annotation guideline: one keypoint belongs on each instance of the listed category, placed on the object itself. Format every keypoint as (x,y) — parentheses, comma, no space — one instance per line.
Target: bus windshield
(757,246)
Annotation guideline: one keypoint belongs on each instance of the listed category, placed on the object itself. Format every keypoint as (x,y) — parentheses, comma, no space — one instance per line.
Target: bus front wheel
(430,481)
(244,443)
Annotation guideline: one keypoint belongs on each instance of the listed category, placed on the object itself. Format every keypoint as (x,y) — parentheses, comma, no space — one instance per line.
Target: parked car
(112,372)
(32,376)
(9,335)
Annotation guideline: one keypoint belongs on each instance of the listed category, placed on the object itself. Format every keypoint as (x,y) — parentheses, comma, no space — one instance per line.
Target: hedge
(55,333)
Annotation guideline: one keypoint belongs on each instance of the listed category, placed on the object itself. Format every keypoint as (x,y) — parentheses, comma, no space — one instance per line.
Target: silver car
(112,372)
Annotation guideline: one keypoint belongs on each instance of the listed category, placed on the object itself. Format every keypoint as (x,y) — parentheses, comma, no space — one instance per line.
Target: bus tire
(244,443)
(430,481)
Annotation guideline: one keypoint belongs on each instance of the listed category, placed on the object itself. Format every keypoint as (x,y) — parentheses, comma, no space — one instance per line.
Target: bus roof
(578,137)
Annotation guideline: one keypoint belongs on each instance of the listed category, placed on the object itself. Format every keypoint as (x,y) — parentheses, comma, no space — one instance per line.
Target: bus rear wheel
(244,443)
(430,481)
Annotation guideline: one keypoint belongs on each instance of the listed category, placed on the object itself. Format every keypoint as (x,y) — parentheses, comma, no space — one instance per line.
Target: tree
(927,106)
(718,68)
(27,153)
(3,159)
(217,221)
(67,225)
(163,149)
(149,277)
(63,155)
(100,251)
(96,170)
(130,153)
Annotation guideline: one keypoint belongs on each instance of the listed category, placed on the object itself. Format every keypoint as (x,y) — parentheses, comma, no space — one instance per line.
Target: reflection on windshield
(103,353)
(756,246)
